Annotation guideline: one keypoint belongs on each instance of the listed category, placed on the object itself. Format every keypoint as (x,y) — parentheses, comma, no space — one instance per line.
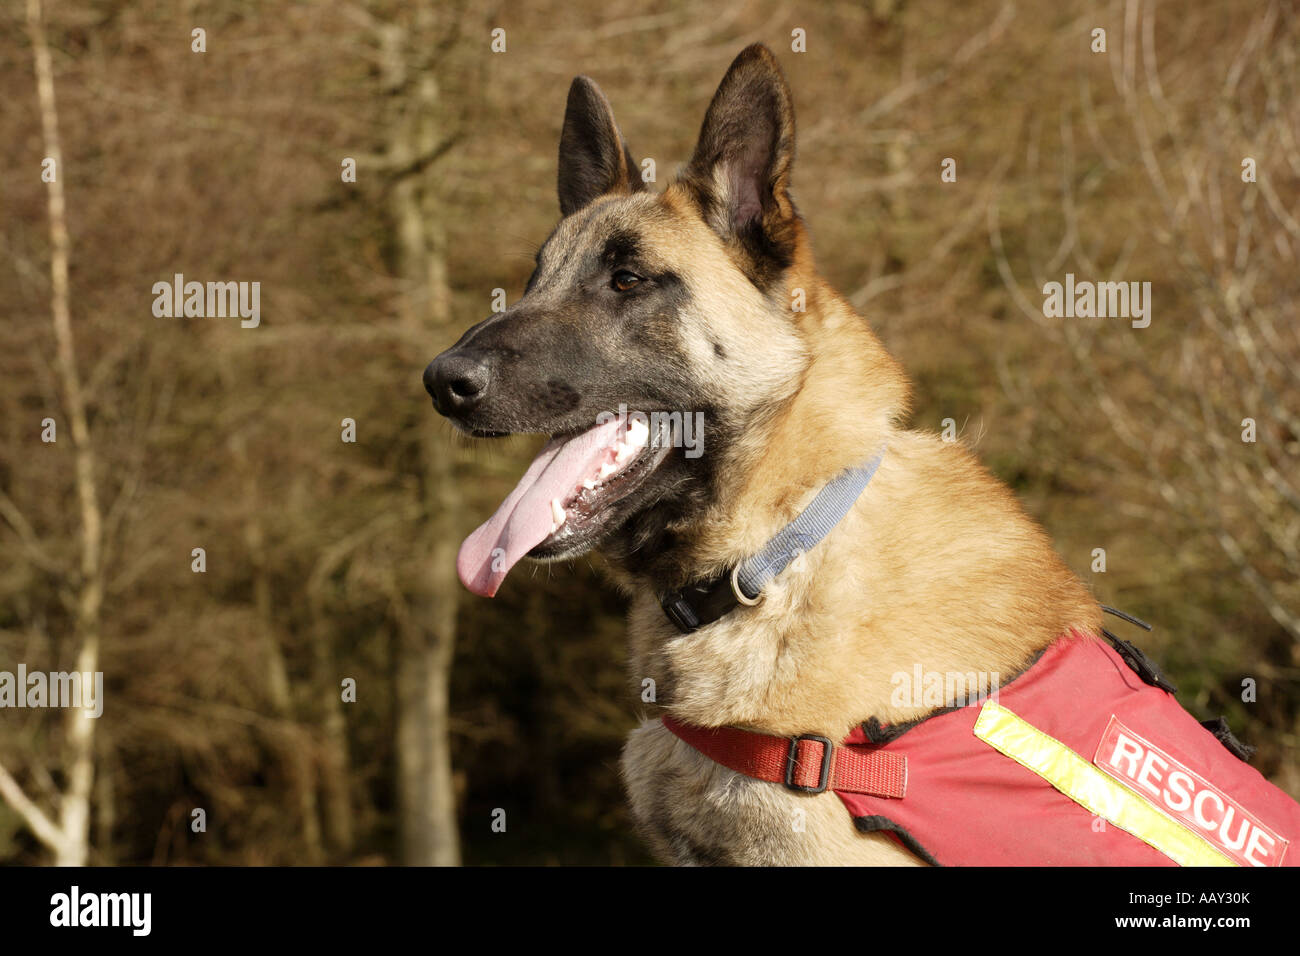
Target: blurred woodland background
(328,560)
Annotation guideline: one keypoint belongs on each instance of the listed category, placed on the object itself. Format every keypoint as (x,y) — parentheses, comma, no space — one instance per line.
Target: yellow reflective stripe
(1087,786)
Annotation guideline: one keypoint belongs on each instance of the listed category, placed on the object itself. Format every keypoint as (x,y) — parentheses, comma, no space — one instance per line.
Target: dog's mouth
(566,500)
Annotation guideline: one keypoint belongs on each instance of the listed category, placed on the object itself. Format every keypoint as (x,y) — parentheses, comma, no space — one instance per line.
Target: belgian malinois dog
(702,303)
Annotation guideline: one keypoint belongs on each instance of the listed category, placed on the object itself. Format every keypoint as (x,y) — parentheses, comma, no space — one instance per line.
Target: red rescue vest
(1077,762)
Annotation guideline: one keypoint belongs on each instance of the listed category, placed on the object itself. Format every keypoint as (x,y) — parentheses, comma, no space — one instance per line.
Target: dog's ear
(740,171)
(594,159)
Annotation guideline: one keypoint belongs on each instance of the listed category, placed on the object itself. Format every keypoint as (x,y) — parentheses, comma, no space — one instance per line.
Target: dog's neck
(936,569)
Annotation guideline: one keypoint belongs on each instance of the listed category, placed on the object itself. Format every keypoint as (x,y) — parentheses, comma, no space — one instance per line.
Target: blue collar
(699,604)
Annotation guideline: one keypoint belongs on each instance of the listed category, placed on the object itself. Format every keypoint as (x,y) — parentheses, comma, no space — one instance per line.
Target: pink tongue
(524,519)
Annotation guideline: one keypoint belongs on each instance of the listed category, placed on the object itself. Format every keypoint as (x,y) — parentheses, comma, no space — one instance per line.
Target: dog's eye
(624,280)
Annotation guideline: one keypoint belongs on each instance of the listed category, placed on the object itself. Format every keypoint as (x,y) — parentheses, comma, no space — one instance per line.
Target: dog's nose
(457,382)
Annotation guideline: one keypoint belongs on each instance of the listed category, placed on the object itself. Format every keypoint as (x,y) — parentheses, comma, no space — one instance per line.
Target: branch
(39,556)
(913,88)
(41,825)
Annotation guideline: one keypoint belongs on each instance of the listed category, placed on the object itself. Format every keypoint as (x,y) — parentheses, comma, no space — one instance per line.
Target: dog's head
(653,331)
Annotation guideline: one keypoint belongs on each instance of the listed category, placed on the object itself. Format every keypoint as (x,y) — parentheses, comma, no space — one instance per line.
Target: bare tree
(69,837)
(412,47)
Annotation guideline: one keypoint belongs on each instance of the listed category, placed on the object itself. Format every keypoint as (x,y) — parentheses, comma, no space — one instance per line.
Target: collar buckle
(792,761)
(680,612)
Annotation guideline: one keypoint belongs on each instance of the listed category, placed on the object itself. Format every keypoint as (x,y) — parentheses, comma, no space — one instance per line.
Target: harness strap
(807,763)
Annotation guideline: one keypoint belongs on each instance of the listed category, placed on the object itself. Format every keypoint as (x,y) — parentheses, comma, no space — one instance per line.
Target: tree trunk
(427,629)
(334,756)
(79,749)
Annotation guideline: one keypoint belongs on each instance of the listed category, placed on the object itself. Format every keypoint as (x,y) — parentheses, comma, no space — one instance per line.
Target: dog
(704,300)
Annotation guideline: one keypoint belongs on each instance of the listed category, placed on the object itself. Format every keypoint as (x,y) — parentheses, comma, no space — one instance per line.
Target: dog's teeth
(589,484)
(607,469)
(637,433)
(557,513)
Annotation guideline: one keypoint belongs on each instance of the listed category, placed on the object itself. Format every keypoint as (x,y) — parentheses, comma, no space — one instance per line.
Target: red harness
(1135,759)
